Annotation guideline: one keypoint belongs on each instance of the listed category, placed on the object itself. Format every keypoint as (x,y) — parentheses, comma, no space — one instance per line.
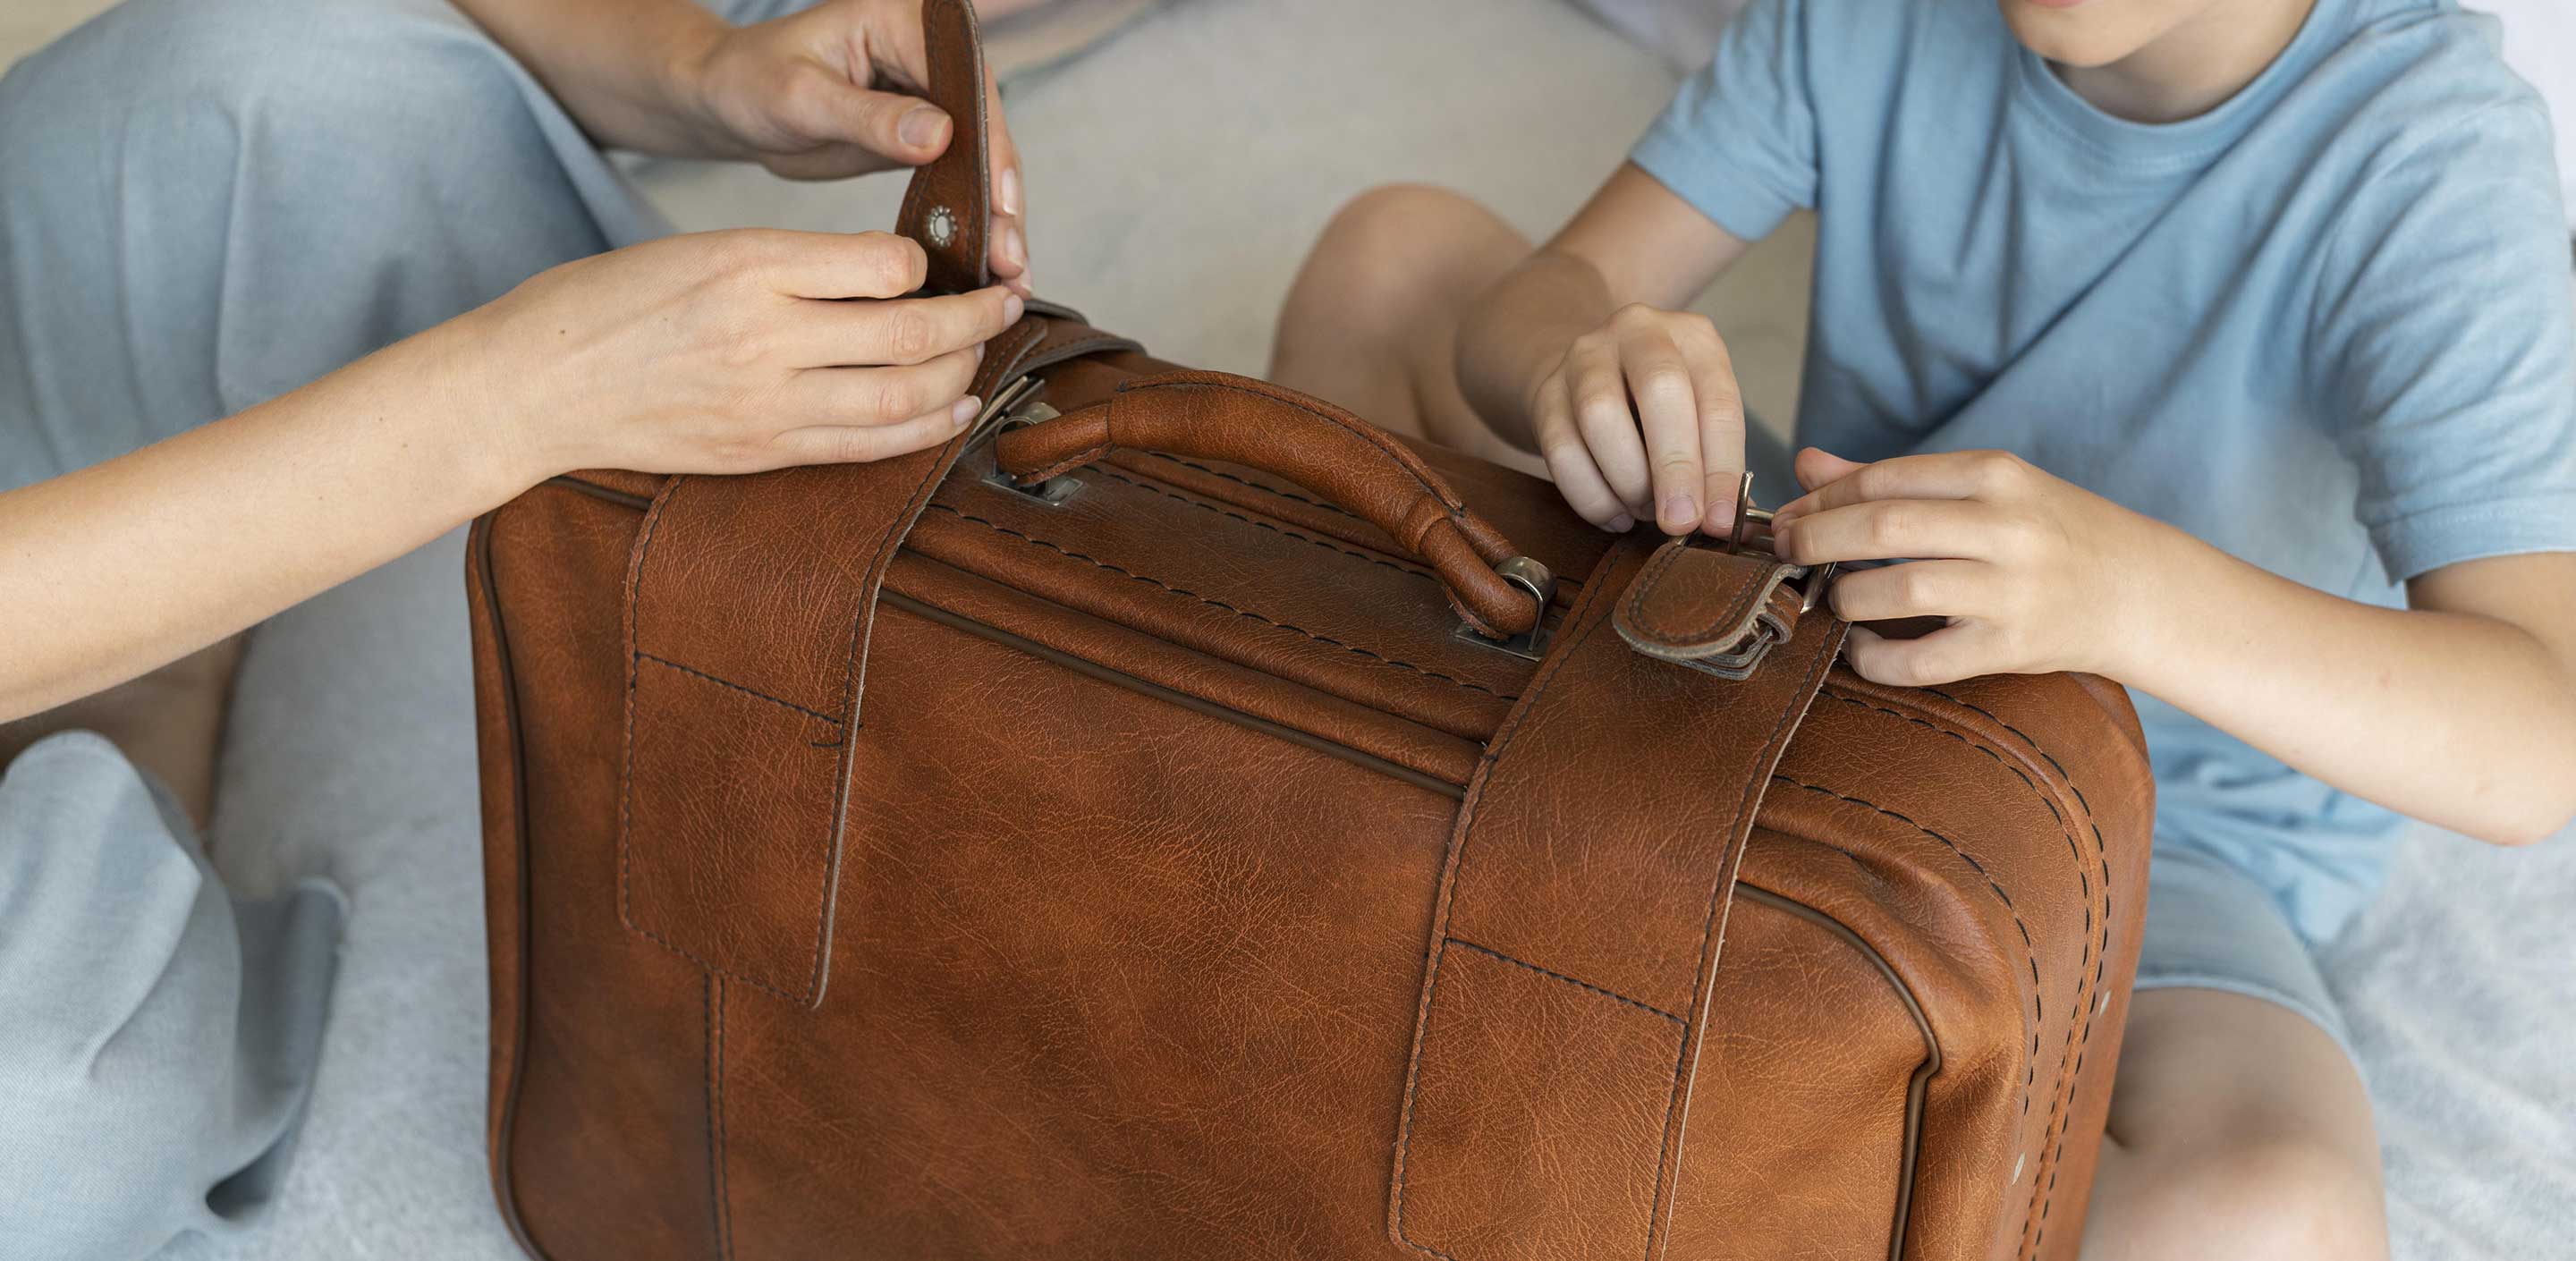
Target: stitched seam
(728,683)
(722,1194)
(2091,966)
(1634,606)
(1033,332)
(1379,561)
(1551,972)
(1447,501)
(1245,481)
(1214,603)
(2029,946)
(1466,836)
(1738,829)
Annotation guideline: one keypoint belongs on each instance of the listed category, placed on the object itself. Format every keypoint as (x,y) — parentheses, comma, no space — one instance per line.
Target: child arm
(2459,710)
(1553,354)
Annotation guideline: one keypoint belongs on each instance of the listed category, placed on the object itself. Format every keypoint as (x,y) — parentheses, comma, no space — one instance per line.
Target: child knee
(1393,248)
(2285,1197)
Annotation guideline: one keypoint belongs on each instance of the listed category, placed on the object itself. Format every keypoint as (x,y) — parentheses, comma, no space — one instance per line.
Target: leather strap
(1702,608)
(1219,416)
(949,206)
(1566,990)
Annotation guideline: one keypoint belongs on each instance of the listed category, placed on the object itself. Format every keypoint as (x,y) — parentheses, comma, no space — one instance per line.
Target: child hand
(2034,574)
(724,352)
(1677,456)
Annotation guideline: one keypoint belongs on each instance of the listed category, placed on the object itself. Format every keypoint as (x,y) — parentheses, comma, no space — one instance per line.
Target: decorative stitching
(1149,488)
(1448,895)
(1242,613)
(1246,481)
(2030,954)
(1447,942)
(716,1136)
(783,704)
(1634,605)
(2093,960)
(1738,828)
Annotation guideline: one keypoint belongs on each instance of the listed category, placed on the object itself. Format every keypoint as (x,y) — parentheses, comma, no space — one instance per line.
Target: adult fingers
(1009,244)
(1941,475)
(858,444)
(1923,588)
(1570,464)
(887,395)
(1599,392)
(900,330)
(1894,529)
(836,265)
(1668,423)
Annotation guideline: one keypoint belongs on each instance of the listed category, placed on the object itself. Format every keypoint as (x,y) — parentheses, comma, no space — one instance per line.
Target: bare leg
(2238,1132)
(1372,321)
(169,722)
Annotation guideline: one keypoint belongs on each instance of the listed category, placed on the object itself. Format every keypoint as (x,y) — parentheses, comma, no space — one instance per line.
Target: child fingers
(1603,418)
(1923,588)
(1668,420)
(1896,529)
(1570,463)
(904,330)
(1721,439)
(1947,655)
(1940,475)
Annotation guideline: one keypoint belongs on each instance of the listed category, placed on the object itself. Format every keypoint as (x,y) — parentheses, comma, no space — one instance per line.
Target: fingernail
(1015,248)
(1682,509)
(1721,513)
(1010,190)
(1012,306)
(964,411)
(921,125)
(979,352)
(1621,524)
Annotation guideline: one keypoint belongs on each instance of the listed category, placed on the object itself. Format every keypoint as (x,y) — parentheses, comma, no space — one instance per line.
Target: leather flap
(1568,976)
(1714,609)
(948,207)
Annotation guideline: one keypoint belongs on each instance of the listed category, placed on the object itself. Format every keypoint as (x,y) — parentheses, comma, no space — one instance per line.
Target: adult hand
(724,352)
(835,91)
(1643,420)
(2033,573)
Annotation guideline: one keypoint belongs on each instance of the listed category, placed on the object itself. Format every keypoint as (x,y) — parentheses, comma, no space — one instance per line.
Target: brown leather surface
(956,187)
(1189,886)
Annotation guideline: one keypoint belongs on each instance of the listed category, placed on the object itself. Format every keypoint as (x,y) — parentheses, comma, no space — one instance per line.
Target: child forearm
(2466,719)
(1518,332)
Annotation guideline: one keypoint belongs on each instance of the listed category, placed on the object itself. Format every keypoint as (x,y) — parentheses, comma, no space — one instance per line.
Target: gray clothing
(161,1032)
(204,204)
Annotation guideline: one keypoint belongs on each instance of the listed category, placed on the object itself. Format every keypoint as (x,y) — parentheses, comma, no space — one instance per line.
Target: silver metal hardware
(1526,573)
(1528,647)
(1015,405)
(1753,529)
(941,226)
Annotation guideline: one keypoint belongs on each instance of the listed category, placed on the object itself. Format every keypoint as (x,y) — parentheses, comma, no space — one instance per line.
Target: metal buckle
(1526,573)
(1014,405)
(1812,582)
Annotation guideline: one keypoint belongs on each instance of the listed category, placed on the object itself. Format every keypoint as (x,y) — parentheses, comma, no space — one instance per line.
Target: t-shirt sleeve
(2447,323)
(1739,140)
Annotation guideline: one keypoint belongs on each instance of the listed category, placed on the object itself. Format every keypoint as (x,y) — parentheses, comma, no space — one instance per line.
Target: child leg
(1372,320)
(2239,1127)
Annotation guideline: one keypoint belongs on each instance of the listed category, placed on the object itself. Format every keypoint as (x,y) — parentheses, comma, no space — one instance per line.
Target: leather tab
(1709,609)
(1567,985)
(948,208)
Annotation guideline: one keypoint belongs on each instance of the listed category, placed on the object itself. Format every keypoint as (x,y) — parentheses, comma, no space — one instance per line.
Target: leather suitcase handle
(1361,468)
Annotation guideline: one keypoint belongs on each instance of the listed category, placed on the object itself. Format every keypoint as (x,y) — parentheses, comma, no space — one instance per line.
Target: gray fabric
(161,1032)
(2212,927)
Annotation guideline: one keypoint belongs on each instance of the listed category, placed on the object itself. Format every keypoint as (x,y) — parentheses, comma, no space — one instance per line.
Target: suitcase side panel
(601,1039)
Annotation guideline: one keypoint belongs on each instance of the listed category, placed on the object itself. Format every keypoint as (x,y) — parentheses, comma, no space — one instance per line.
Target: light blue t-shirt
(2326,326)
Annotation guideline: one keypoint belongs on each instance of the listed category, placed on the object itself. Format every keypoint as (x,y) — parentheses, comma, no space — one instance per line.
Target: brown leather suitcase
(1244,850)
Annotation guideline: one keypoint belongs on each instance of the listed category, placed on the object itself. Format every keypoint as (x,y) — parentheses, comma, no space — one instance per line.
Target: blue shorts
(2210,926)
